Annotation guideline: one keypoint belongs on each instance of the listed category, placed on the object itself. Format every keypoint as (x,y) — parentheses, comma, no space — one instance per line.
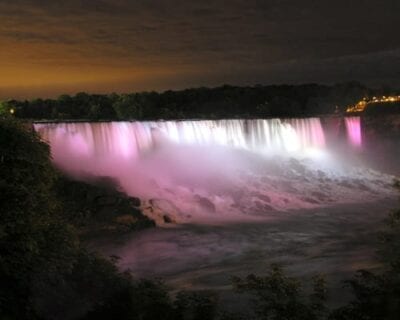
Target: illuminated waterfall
(131,139)
(192,170)
(353,129)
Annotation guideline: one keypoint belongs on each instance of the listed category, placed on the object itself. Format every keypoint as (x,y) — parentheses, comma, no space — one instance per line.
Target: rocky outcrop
(162,211)
(97,206)
(205,204)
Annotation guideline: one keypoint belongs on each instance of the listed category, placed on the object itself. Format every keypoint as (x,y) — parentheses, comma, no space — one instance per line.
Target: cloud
(201,41)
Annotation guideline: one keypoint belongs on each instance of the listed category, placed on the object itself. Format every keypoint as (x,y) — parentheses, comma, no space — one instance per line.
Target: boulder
(205,204)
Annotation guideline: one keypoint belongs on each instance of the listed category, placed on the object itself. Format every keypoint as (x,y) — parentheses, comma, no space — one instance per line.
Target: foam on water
(194,170)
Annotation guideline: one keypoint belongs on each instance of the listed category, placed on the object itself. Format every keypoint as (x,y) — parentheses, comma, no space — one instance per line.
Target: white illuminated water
(130,139)
(353,129)
(188,169)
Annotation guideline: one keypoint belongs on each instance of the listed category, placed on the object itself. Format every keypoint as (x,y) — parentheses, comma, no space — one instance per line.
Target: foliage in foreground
(45,273)
(278,296)
(32,240)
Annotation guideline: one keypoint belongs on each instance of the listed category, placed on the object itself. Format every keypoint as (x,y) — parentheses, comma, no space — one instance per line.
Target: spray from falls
(194,169)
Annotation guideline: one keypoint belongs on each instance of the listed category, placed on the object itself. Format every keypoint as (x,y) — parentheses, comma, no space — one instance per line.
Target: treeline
(198,103)
(382,108)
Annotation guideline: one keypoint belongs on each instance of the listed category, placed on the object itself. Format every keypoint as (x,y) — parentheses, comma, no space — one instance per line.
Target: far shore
(188,119)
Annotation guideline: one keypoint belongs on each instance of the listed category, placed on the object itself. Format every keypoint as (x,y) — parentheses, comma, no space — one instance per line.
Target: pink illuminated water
(131,139)
(353,129)
(189,169)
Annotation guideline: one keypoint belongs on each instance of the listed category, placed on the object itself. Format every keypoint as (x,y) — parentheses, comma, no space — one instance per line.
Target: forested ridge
(198,103)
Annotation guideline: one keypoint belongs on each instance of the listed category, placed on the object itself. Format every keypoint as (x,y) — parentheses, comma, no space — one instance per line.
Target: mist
(227,170)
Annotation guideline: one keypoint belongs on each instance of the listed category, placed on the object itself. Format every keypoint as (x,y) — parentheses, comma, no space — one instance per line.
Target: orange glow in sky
(50,47)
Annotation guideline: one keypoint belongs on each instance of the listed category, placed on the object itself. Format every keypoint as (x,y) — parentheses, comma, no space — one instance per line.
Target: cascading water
(130,139)
(353,129)
(217,167)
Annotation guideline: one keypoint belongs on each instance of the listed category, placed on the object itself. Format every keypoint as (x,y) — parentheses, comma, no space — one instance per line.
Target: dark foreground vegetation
(199,103)
(97,207)
(47,273)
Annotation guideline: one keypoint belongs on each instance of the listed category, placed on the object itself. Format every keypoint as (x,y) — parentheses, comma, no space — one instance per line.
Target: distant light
(360,106)
(12,111)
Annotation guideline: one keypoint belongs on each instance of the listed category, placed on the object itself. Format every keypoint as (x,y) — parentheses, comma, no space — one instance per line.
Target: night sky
(50,47)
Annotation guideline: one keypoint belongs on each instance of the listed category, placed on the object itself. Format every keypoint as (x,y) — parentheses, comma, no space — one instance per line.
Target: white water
(130,139)
(194,170)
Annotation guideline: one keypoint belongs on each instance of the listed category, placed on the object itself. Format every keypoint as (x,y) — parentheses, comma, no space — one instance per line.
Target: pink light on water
(194,170)
(353,129)
(127,141)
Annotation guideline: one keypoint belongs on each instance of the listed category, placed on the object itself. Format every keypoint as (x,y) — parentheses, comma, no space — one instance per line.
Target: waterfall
(131,139)
(184,168)
(353,129)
